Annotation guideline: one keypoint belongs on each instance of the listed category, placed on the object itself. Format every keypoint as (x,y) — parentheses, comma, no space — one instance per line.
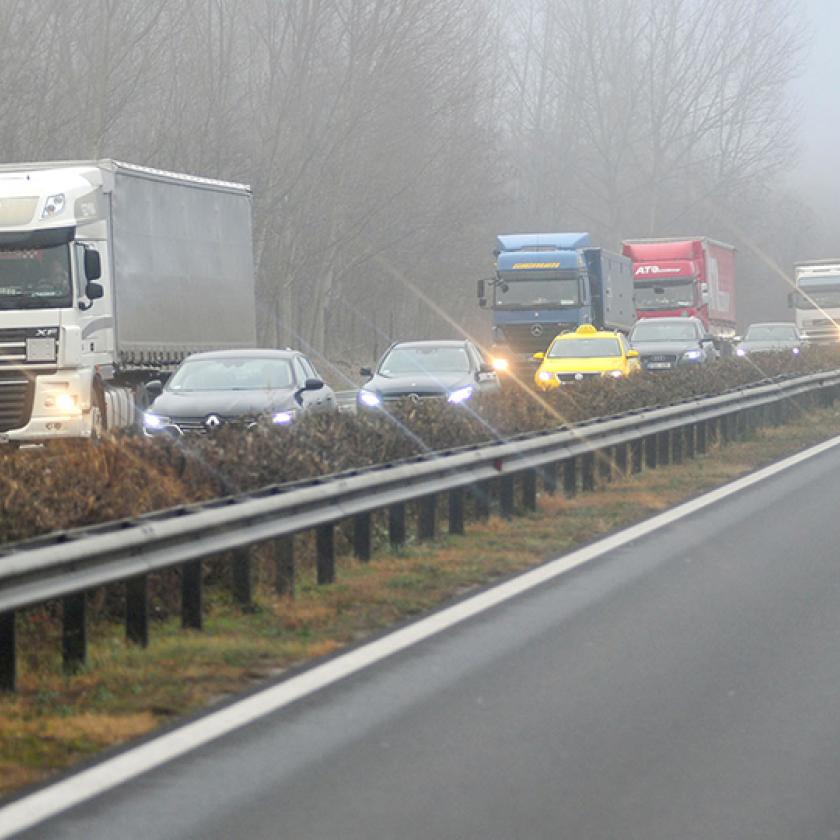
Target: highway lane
(686,686)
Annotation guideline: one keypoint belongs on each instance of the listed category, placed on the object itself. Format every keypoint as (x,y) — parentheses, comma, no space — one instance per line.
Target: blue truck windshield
(35,278)
(524,293)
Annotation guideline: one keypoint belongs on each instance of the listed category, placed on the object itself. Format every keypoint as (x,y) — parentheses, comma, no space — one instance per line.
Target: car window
(308,369)
(300,373)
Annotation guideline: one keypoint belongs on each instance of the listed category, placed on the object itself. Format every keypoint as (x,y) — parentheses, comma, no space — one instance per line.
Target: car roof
(671,319)
(586,336)
(445,342)
(246,353)
(772,324)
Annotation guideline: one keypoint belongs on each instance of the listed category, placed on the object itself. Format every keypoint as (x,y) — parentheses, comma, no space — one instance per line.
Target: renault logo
(536,330)
(213,421)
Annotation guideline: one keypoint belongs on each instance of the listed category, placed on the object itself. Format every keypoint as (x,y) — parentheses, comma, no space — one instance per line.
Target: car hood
(591,365)
(668,348)
(223,403)
(437,383)
(759,346)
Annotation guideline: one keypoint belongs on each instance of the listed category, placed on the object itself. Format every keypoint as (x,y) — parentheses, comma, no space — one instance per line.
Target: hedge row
(68,484)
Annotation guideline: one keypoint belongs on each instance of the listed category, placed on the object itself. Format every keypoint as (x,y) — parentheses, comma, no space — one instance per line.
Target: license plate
(658,365)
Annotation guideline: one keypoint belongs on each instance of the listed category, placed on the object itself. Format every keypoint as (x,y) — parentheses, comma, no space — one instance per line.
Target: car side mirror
(707,339)
(738,338)
(538,357)
(366,371)
(632,354)
(93,265)
(313,385)
(154,388)
(486,368)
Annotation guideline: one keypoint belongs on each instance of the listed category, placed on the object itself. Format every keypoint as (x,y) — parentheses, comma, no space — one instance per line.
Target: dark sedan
(668,343)
(765,338)
(210,390)
(451,370)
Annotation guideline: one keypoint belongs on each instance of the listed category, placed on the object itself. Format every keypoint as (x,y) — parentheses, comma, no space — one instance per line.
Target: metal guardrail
(69,563)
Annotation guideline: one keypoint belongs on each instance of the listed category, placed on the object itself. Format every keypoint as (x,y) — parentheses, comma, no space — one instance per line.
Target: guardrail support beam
(677,443)
(549,477)
(605,465)
(137,610)
(396,525)
(8,652)
(622,453)
(284,566)
(362,542)
(570,477)
(637,451)
(192,596)
(700,435)
(650,451)
(506,496)
(529,490)
(325,553)
(587,472)
(73,632)
(241,572)
(456,511)
(664,454)
(427,518)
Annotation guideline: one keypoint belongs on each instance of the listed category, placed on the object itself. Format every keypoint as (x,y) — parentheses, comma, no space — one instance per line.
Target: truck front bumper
(57,406)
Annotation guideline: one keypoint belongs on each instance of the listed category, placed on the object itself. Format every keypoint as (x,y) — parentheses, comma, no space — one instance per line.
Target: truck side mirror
(94,291)
(93,266)
(482,293)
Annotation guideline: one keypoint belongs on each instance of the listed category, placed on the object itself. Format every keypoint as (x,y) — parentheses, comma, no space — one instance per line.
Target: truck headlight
(53,206)
(461,395)
(501,365)
(154,421)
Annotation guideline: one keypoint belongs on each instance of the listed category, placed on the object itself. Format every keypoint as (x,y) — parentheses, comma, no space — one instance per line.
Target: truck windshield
(584,348)
(668,331)
(664,295)
(35,278)
(232,374)
(526,294)
(823,296)
(424,359)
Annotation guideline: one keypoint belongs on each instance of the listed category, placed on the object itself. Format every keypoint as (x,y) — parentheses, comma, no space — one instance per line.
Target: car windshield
(662,295)
(584,348)
(426,359)
(771,332)
(35,278)
(232,374)
(664,331)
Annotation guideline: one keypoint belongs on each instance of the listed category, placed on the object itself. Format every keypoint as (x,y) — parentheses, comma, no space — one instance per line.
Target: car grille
(198,425)
(13,348)
(413,396)
(576,377)
(16,395)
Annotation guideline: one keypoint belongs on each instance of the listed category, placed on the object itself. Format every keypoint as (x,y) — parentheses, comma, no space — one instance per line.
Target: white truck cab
(817,301)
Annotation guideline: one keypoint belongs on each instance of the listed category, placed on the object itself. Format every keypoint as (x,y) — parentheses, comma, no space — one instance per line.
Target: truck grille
(13,348)
(16,394)
(520,339)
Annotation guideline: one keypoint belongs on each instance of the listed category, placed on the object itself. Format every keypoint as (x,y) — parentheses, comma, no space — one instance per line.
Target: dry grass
(55,721)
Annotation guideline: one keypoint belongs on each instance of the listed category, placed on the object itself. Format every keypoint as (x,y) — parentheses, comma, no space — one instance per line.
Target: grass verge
(55,721)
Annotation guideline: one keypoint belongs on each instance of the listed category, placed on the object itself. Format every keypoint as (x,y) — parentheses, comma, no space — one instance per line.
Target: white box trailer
(110,274)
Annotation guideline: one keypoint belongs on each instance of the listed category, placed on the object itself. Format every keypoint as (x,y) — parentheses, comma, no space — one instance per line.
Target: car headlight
(283,418)
(740,351)
(544,376)
(692,355)
(795,351)
(154,421)
(369,399)
(616,374)
(461,394)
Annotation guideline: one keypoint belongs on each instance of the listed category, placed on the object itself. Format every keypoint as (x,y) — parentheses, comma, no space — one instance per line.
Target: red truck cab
(685,276)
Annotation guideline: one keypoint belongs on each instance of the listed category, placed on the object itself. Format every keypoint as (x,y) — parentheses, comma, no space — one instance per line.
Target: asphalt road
(687,686)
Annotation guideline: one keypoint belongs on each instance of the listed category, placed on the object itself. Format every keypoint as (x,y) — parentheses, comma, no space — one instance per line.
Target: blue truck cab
(549,283)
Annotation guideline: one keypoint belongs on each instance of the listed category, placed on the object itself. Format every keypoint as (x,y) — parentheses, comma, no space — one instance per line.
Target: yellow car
(582,354)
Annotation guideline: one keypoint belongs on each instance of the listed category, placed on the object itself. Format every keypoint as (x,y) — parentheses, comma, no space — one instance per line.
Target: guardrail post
(677,441)
(481,500)
(529,490)
(650,452)
(622,452)
(73,632)
(702,435)
(549,476)
(713,432)
(605,465)
(426,518)
(506,496)
(241,577)
(691,432)
(664,454)
(192,596)
(456,511)
(284,565)
(325,553)
(137,610)
(362,545)
(587,472)
(570,477)
(8,652)
(637,451)
(396,525)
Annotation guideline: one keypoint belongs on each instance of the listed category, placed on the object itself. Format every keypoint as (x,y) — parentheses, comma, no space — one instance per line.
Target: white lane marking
(41,805)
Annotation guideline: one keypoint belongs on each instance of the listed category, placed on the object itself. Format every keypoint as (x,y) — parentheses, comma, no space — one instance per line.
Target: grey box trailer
(611,284)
